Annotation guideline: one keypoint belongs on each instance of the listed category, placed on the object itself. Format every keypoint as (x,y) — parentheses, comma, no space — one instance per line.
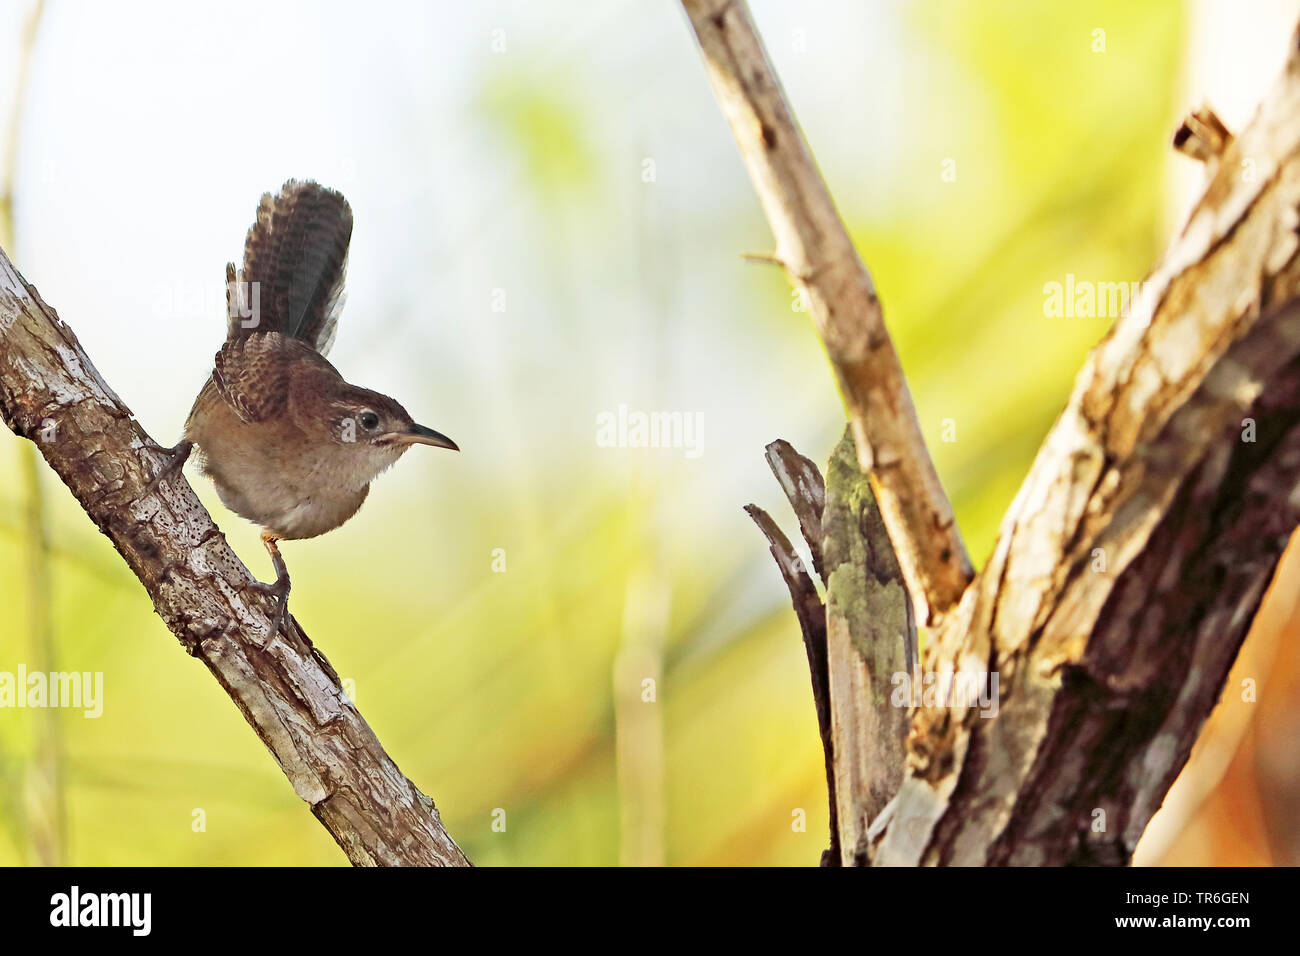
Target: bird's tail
(295,258)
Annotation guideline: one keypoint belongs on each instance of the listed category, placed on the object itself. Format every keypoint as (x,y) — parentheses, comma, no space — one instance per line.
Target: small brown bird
(287,442)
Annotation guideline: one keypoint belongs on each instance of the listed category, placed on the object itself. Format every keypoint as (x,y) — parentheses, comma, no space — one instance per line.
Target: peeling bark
(811,614)
(871,638)
(285,688)
(1134,557)
(858,641)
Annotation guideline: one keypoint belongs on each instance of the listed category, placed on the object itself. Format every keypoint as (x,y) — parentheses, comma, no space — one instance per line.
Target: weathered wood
(1135,555)
(860,642)
(286,690)
(1133,559)
(1202,136)
(806,490)
(811,614)
(817,253)
(871,646)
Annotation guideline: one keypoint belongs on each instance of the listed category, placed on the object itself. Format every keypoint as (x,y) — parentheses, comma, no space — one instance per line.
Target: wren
(288,443)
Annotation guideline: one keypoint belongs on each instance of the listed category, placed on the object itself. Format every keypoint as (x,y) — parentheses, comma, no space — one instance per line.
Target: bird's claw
(280,591)
(178,455)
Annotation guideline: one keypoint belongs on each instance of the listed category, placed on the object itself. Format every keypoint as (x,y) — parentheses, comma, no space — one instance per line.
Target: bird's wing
(252,375)
(295,260)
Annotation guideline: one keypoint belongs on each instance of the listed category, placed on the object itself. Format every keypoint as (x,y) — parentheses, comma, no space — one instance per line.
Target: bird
(288,443)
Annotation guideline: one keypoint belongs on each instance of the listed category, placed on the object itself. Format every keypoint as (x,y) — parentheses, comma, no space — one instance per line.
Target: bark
(1132,561)
(803,486)
(285,688)
(811,613)
(817,253)
(871,644)
(861,642)
(1135,555)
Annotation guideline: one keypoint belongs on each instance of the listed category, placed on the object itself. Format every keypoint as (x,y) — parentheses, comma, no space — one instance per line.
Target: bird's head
(377,429)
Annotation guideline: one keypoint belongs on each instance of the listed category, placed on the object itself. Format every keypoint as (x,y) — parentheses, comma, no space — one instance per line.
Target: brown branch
(286,690)
(1078,668)
(811,614)
(806,490)
(1202,136)
(859,642)
(815,248)
(1138,549)
(872,647)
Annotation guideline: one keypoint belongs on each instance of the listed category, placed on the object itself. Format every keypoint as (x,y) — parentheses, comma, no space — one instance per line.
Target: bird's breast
(272,475)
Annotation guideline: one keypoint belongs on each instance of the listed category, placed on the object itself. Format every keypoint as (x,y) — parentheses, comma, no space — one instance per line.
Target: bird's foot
(178,454)
(280,591)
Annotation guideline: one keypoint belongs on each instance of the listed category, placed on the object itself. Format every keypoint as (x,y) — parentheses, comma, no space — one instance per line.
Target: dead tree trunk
(1132,561)
(285,688)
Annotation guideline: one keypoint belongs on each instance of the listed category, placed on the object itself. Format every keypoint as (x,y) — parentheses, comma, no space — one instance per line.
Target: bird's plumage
(286,441)
(276,427)
(287,296)
(296,254)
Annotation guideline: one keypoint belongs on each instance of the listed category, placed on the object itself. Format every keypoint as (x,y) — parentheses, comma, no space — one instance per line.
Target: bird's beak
(419,435)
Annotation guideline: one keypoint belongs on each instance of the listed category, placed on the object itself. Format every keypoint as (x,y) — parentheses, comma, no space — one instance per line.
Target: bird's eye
(368,420)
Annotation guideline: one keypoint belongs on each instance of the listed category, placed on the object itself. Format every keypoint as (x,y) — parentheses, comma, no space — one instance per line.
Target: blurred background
(582,652)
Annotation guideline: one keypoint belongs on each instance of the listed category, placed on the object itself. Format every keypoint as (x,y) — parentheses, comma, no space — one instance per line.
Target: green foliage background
(499,690)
